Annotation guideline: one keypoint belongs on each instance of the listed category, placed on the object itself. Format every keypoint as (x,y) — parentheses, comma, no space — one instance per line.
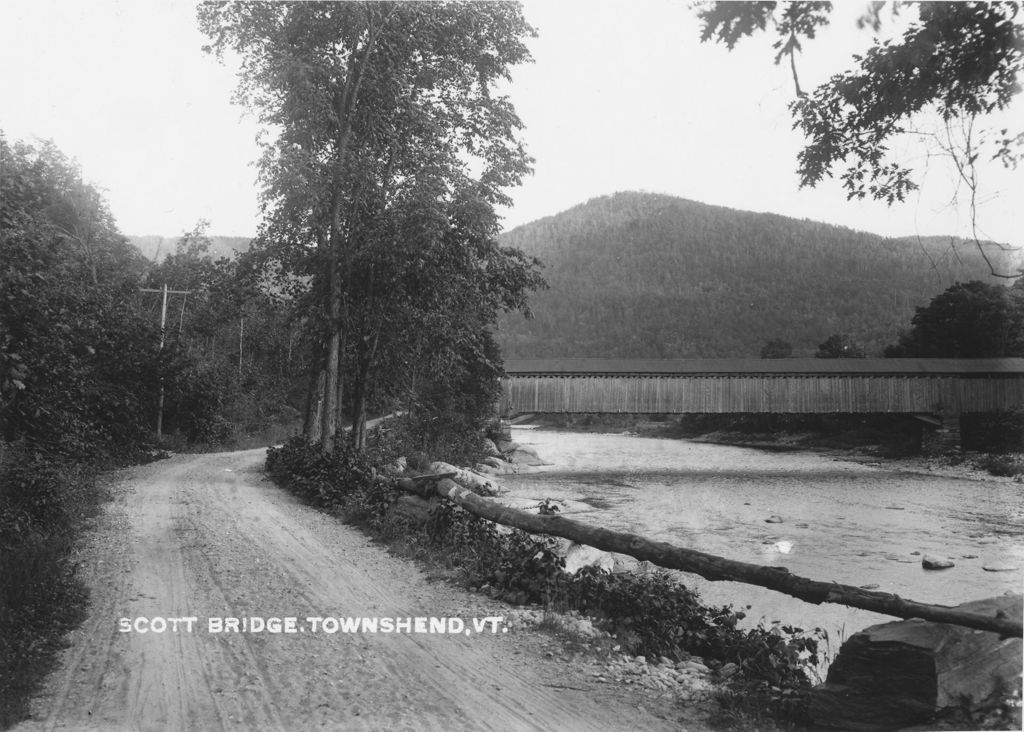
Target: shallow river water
(842,521)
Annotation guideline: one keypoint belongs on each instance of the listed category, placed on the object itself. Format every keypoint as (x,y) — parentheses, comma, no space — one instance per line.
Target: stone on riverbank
(472,480)
(897,674)
(999,567)
(578,556)
(933,561)
(525,456)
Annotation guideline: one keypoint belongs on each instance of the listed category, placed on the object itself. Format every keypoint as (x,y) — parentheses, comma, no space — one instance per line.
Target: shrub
(1007,466)
(344,480)
(997,432)
(42,501)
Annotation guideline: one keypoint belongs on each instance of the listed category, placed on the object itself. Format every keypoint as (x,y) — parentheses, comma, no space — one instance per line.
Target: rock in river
(999,567)
(933,561)
(773,519)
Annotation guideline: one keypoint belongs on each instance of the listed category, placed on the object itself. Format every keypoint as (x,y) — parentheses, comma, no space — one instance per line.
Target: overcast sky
(621,96)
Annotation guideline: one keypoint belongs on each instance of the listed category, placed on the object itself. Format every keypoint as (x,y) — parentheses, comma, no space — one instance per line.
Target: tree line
(640,275)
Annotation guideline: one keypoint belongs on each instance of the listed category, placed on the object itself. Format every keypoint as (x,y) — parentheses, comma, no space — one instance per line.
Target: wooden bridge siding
(755,393)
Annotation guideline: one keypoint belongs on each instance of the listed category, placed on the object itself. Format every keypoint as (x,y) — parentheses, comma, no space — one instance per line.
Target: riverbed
(839,520)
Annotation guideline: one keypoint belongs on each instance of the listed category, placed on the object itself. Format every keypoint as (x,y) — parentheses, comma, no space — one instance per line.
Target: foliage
(969,320)
(839,345)
(79,363)
(43,501)
(325,480)
(777,348)
(639,275)
(649,613)
(1009,466)
(391,149)
(958,60)
(232,339)
(997,432)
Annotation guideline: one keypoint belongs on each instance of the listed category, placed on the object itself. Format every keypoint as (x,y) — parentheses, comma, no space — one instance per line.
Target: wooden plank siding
(722,393)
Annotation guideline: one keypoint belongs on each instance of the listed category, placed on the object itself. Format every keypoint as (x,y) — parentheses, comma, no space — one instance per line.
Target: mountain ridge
(644,275)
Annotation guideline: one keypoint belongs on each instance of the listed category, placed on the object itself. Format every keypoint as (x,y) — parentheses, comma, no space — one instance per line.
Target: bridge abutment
(943,437)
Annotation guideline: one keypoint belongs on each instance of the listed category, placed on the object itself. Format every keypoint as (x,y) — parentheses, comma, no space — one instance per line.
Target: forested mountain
(647,275)
(156,248)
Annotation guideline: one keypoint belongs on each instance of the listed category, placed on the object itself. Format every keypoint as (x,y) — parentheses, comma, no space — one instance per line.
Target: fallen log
(896,674)
(431,477)
(718,569)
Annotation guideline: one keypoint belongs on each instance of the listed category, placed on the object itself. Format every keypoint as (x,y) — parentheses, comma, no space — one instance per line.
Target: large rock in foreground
(898,674)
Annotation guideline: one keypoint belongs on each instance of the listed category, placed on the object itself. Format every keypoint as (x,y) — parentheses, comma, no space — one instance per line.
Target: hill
(155,248)
(652,276)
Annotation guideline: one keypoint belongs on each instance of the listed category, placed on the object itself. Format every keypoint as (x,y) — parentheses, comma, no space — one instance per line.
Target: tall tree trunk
(359,416)
(332,387)
(345,102)
(362,388)
(314,405)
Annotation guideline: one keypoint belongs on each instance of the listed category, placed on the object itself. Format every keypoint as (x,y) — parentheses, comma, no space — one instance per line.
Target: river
(843,521)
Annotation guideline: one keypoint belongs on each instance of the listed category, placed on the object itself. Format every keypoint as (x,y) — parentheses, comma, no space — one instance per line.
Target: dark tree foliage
(392,146)
(78,362)
(969,320)
(839,345)
(959,59)
(234,339)
(777,348)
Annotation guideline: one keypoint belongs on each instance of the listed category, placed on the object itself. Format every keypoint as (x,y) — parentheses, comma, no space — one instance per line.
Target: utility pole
(163,331)
(241,330)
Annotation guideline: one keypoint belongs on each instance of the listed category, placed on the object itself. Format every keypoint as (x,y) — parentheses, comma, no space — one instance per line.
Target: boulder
(525,456)
(578,556)
(505,446)
(475,482)
(773,519)
(903,673)
(934,561)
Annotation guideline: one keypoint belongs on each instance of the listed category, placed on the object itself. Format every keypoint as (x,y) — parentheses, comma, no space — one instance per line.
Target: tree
(968,320)
(839,345)
(777,348)
(77,360)
(959,60)
(387,123)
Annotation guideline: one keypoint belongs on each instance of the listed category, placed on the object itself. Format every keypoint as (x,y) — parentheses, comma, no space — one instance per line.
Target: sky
(621,96)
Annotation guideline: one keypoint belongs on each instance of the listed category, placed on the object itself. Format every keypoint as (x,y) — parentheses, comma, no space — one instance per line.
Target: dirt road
(207,537)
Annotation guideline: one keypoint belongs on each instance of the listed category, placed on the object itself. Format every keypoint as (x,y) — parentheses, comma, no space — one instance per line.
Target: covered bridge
(938,390)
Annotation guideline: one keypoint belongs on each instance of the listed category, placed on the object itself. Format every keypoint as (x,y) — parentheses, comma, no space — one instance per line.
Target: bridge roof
(904,366)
